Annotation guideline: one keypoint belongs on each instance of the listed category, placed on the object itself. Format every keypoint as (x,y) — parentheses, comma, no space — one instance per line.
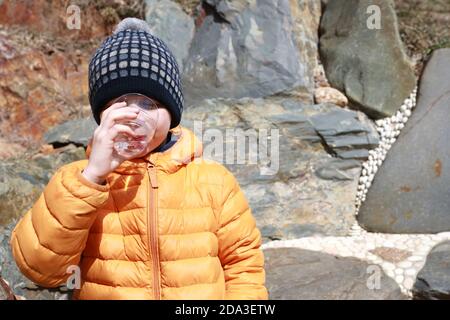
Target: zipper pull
(152,175)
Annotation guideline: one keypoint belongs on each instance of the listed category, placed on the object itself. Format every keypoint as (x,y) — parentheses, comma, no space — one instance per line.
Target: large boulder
(302,190)
(168,21)
(366,61)
(433,281)
(409,193)
(297,274)
(253,48)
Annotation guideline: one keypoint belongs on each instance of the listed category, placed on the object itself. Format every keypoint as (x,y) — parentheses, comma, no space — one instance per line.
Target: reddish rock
(46,149)
(38,94)
(330,95)
(9,150)
(51,17)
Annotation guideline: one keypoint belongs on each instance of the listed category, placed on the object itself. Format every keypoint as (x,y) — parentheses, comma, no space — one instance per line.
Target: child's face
(162,128)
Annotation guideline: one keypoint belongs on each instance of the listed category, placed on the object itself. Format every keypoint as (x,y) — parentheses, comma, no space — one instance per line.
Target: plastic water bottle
(129,146)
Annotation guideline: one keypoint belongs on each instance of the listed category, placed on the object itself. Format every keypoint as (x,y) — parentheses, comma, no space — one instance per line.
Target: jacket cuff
(82,179)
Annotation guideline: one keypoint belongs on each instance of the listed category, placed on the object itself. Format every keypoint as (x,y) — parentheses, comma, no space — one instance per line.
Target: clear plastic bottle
(144,126)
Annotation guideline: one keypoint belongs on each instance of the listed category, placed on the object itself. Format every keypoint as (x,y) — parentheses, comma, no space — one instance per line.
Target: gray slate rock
(169,22)
(433,281)
(253,48)
(348,134)
(77,132)
(410,191)
(297,274)
(368,65)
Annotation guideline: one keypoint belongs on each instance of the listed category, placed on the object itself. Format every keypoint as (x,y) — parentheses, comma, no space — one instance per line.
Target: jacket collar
(184,150)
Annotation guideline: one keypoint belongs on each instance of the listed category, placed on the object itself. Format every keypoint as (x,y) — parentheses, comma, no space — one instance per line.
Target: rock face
(368,64)
(298,274)
(253,48)
(301,190)
(433,281)
(410,191)
(77,132)
(44,62)
(169,22)
(52,17)
(40,93)
(22,180)
(9,150)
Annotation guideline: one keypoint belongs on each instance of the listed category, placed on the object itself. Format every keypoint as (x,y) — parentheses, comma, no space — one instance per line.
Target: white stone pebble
(411,272)
(389,129)
(399,278)
(398,272)
(409,283)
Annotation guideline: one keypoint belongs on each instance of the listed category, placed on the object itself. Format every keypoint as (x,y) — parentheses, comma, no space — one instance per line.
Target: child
(157,226)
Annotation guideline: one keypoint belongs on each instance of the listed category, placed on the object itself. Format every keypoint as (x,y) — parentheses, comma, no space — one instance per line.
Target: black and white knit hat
(132,60)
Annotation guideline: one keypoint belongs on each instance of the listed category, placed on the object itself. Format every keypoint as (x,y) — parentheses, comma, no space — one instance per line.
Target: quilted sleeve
(52,235)
(239,245)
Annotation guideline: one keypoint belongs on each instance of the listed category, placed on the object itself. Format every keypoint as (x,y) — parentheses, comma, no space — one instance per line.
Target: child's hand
(103,158)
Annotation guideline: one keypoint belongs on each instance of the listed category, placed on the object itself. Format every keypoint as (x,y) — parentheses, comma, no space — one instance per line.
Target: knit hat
(132,60)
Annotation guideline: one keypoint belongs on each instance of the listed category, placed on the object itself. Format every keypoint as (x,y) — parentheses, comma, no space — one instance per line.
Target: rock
(393,255)
(297,274)
(169,22)
(5,291)
(77,132)
(320,78)
(433,281)
(410,191)
(9,150)
(22,180)
(38,94)
(336,169)
(347,134)
(299,191)
(369,65)
(330,95)
(53,17)
(253,48)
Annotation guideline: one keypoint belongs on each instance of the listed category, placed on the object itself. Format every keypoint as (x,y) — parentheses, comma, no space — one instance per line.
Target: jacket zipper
(152,229)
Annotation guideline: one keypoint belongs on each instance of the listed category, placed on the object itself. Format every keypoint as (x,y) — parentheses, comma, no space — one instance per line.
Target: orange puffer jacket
(163,227)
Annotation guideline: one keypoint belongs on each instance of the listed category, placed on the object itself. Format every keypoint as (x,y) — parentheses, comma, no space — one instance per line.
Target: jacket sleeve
(52,235)
(239,246)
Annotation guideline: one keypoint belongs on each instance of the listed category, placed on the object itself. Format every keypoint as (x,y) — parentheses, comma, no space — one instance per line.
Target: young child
(157,226)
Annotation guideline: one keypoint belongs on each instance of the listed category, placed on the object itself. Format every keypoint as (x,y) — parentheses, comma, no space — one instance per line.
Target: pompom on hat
(132,60)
